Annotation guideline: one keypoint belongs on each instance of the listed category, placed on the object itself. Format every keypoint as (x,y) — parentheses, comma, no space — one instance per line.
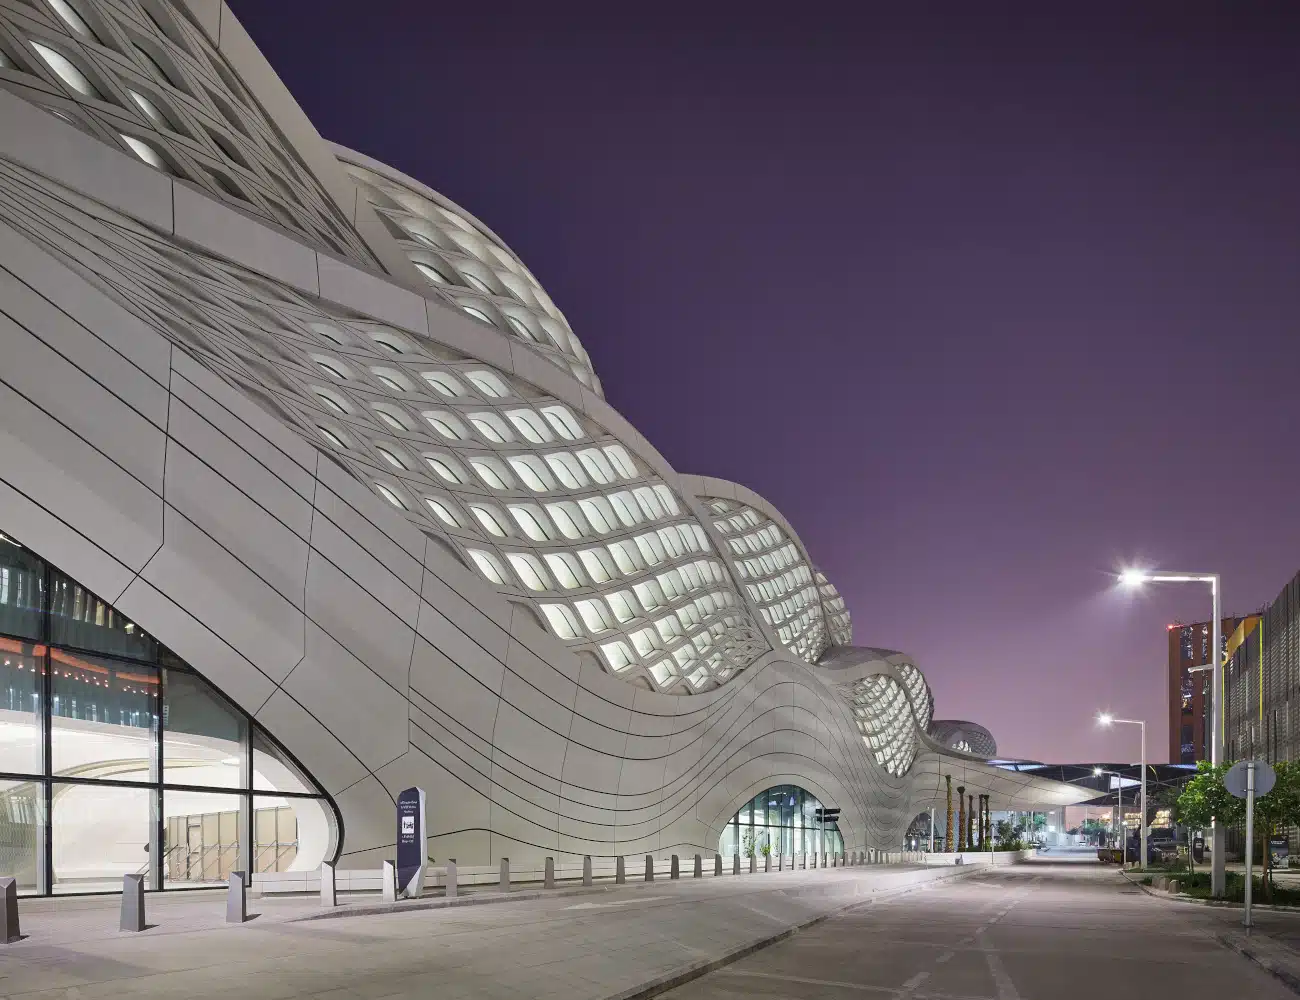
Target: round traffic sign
(1235,780)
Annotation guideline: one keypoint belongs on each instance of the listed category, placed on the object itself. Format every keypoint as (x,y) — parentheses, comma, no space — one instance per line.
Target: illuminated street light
(1107,720)
(1132,578)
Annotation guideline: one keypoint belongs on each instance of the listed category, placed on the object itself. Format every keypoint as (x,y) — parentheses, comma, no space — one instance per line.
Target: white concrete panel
(533,645)
(369,816)
(207,14)
(461,693)
(192,432)
(234,520)
(227,233)
(460,650)
(524,739)
(349,286)
(65,386)
(370,523)
(322,752)
(225,594)
(448,326)
(45,461)
(137,343)
(534,673)
(591,770)
(536,705)
(63,153)
(467,603)
(54,331)
(248,426)
(350,700)
(203,649)
(377,581)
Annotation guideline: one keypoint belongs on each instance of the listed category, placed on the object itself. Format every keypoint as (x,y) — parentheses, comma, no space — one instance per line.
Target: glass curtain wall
(783,820)
(117,758)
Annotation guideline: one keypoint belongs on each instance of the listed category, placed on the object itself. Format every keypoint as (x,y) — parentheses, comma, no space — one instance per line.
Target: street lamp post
(1137,577)
(1119,811)
(1107,720)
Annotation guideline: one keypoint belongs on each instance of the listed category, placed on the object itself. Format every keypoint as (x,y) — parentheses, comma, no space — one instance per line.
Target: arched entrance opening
(781,820)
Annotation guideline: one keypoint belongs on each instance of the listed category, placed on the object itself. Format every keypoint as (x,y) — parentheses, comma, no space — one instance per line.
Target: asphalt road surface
(1053,929)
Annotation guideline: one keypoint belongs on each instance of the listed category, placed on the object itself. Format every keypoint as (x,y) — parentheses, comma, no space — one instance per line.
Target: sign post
(1246,779)
(412,837)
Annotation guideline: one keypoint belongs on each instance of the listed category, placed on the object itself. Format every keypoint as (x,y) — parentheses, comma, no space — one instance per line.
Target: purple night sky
(950,288)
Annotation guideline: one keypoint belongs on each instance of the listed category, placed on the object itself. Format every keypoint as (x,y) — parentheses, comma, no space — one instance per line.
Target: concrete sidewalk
(601,943)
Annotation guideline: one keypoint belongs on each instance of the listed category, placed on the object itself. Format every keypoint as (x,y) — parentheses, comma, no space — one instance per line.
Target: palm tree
(947,837)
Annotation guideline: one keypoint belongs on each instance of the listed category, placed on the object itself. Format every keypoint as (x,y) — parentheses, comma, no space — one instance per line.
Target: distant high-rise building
(1189,688)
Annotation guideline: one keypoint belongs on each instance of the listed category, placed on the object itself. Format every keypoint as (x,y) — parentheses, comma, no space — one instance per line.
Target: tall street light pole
(1118,811)
(1137,577)
(1107,720)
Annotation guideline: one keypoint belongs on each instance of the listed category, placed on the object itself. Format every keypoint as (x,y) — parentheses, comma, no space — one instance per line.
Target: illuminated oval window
(431,272)
(488,384)
(390,495)
(477,283)
(443,383)
(65,69)
(443,512)
(477,313)
(150,109)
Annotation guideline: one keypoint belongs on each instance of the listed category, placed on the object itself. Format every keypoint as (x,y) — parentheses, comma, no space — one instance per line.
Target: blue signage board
(411,839)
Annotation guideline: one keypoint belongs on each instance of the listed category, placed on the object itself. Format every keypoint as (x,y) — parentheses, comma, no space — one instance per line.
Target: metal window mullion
(47,724)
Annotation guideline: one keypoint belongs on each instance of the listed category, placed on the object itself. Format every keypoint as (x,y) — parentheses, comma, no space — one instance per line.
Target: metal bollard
(452,888)
(586,869)
(717,864)
(753,864)
(504,885)
(649,868)
(835,858)
(132,903)
(548,878)
(390,882)
(699,866)
(620,871)
(9,932)
(675,871)
(236,899)
(780,862)
(805,860)
(329,895)
(767,862)
(735,864)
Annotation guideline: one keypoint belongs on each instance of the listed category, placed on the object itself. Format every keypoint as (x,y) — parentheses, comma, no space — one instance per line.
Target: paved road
(584,947)
(1047,930)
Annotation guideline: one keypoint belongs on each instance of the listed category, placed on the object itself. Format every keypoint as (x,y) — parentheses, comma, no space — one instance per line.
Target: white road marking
(943,958)
(916,980)
(866,988)
(1006,988)
(617,902)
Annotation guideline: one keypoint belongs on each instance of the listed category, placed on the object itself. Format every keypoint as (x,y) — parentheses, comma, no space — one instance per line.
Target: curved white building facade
(319,434)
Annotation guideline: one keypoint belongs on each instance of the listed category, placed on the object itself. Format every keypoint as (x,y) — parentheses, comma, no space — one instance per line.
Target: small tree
(1003,831)
(748,845)
(1278,809)
(1205,799)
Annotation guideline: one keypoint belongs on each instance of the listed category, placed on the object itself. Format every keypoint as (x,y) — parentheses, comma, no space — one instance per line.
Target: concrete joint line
(671,980)
(1243,946)
(1005,987)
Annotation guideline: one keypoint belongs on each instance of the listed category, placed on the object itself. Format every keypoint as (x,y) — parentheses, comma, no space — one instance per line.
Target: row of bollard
(133,910)
(132,914)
